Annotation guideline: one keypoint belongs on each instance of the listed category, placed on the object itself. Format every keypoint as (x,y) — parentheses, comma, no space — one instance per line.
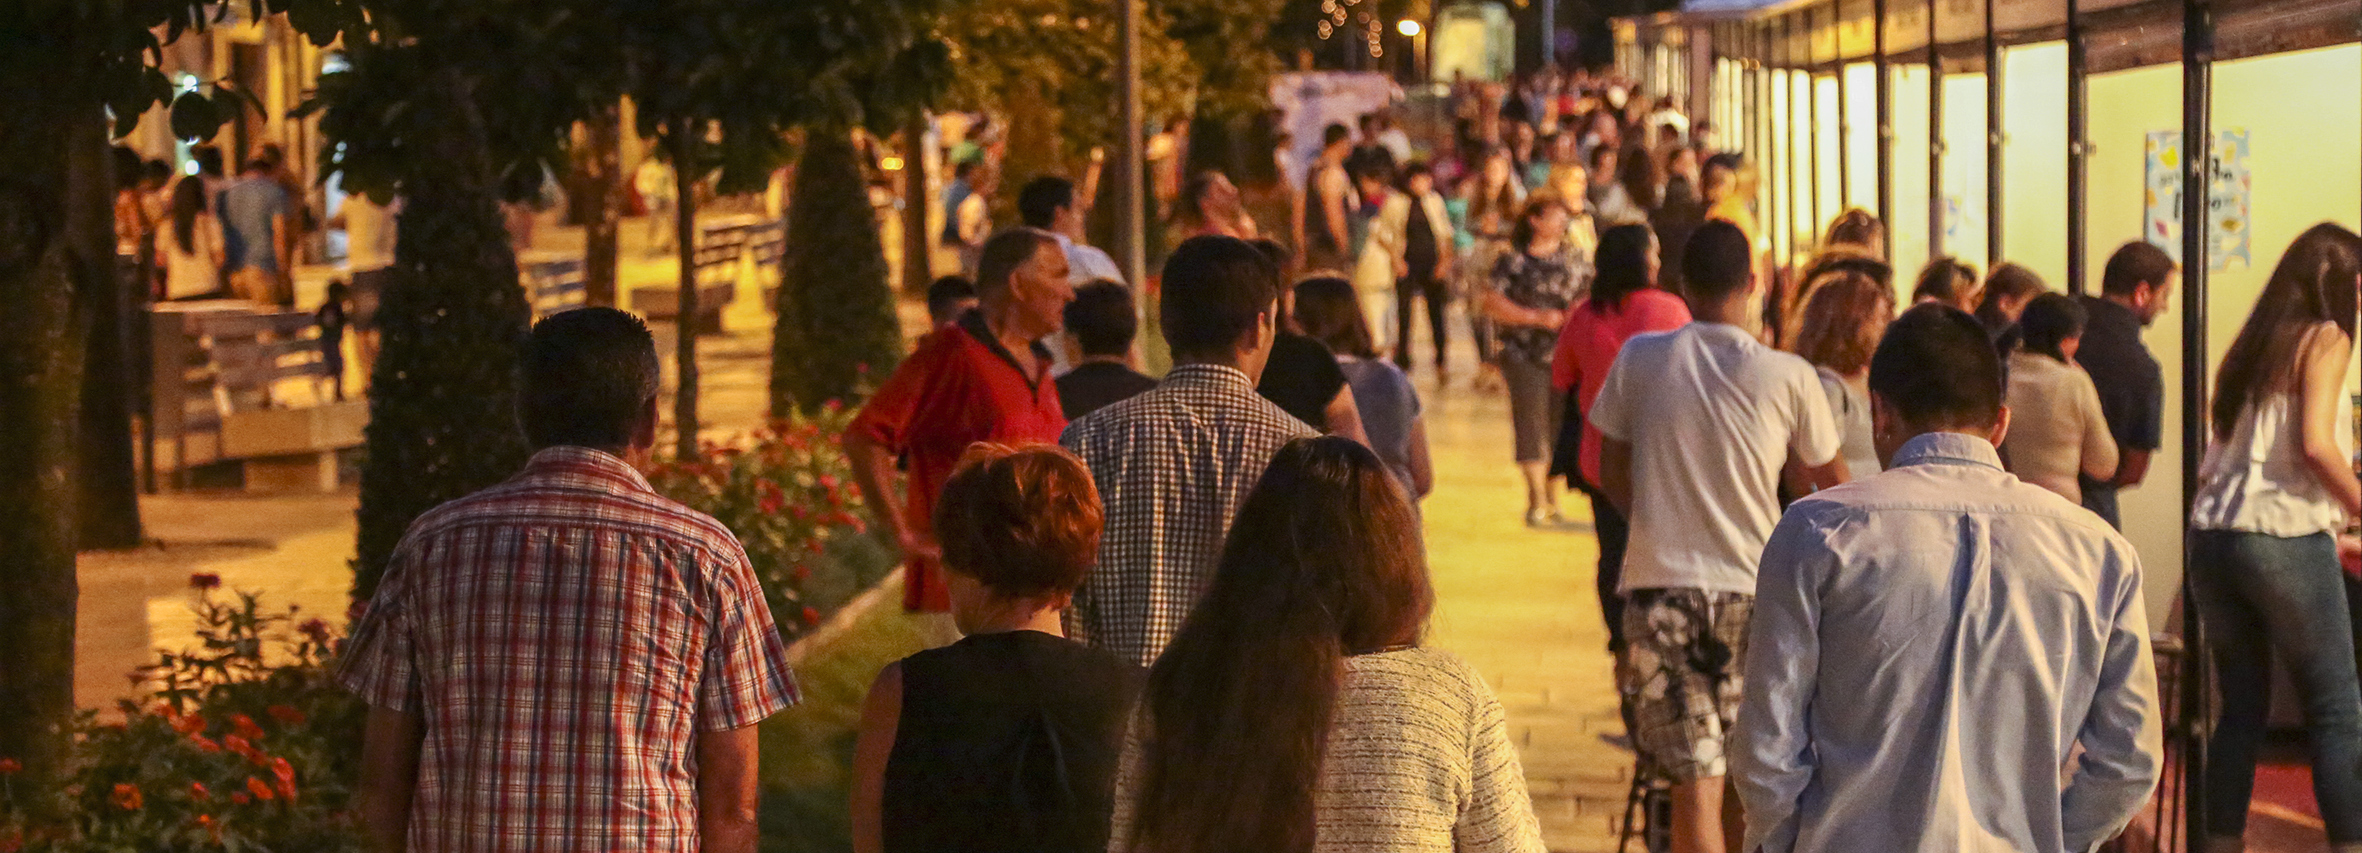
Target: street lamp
(1409,28)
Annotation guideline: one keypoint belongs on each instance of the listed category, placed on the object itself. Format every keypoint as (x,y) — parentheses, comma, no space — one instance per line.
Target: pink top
(1588,344)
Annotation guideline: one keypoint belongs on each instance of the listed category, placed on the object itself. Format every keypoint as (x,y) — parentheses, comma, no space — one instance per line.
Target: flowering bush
(244,744)
(787,491)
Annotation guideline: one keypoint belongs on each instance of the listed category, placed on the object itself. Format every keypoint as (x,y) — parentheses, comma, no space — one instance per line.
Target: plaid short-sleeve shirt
(565,637)
(1172,465)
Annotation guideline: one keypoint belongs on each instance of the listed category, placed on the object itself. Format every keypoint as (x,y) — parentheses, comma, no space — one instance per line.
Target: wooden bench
(236,385)
(766,242)
(721,248)
(553,284)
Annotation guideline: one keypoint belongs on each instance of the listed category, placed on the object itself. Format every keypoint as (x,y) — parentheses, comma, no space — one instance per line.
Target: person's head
(1568,181)
(1543,220)
(2314,283)
(1335,138)
(1368,124)
(269,156)
(1220,303)
(1499,169)
(964,170)
(1372,178)
(1019,527)
(1680,160)
(2141,276)
(2051,324)
(1949,281)
(338,291)
(1566,148)
(1936,371)
(1208,194)
(1717,265)
(208,159)
(949,297)
(188,203)
(1324,562)
(1856,227)
(153,175)
(1843,319)
(2007,292)
(1603,163)
(590,381)
(1102,319)
(1328,310)
(1021,281)
(1047,203)
(1417,179)
(1627,263)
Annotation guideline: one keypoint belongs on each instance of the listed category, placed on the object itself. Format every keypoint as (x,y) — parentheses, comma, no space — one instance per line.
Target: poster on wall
(2230,191)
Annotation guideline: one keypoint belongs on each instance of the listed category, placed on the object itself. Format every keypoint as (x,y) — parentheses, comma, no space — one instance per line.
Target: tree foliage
(1049,67)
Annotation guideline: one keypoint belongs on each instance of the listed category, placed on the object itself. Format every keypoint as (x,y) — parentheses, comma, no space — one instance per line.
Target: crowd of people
(1859,566)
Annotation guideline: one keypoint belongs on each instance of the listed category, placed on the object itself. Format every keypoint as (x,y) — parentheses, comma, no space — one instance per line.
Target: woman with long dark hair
(2008,290)
(190,250)
(1296,711)
(1625,301)
(2277,484)
(2056,428)
(1532,287)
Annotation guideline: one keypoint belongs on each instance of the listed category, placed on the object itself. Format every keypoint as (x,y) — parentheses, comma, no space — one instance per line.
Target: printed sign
(2230,192)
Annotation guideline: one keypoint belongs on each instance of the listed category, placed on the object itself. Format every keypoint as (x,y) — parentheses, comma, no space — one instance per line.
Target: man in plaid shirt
(568,661)
(1174,463)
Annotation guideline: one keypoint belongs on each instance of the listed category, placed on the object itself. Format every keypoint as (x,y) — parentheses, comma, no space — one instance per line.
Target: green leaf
(195,117)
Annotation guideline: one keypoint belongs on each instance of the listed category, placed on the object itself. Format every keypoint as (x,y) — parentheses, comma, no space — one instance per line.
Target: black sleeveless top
(1007,742)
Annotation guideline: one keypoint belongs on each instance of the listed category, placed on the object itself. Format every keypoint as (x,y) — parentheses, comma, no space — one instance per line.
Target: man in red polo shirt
(985,377)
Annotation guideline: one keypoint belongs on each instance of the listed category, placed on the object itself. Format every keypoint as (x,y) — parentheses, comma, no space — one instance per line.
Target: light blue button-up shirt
(1930,646)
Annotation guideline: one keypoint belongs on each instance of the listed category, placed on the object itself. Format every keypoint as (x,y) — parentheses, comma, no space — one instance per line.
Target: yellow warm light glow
(891,164)
(1407,27)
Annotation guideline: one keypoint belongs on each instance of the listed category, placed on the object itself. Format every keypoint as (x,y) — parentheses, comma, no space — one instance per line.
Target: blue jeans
(2263,596)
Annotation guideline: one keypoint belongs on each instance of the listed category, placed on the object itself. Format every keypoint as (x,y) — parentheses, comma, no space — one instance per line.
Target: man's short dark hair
(963,168)
(589,376)
(947,290)
(2134,264)
(1334,134)
(1039,201)
(1004,252)
(208,160)
(1937,368)
(1717,261)
(1102,318)
(1215,290)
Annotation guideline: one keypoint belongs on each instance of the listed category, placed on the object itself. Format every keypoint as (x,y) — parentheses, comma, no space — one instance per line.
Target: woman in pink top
(1625,301)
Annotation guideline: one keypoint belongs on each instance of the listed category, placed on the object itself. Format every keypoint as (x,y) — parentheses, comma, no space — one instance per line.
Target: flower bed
(787,491)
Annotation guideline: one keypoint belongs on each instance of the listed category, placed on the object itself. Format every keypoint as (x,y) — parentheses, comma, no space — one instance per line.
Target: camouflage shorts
(1681,674)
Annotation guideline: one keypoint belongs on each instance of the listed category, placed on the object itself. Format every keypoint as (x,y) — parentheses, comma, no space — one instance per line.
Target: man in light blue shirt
(1931,645)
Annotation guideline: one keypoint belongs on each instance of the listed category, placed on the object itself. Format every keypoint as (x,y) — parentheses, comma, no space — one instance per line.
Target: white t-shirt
(197,270)
(369,234)
(1711,414)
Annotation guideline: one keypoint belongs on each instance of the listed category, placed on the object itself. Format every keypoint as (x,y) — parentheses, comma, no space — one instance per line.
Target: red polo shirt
(960,387)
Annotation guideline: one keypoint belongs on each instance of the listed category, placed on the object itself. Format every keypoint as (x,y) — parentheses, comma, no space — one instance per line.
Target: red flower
(12,842)
(811,616)
(772,499)
(188,724)
(286,713)
(205,580)
(828,481)
(10,767)
(245,726)
(281,769)
(197,792)
(212,828)
(126,797)
(260,790)
(238,746)
(240,798)
(813,545)
(205,743)
(803,572)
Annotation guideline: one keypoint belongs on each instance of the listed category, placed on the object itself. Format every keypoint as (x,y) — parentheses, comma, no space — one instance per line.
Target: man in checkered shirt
(1174,463)
(568,661)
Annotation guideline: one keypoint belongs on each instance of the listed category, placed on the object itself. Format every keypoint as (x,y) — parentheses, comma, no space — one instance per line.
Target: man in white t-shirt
(1699,424)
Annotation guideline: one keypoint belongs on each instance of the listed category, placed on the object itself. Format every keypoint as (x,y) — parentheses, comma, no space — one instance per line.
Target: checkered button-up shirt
(565,637)
(1172,466)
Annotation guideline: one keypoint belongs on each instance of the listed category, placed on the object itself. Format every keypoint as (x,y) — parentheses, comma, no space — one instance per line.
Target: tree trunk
(53,144)
(837,336)
(918,254)
(602,209)
(108,470)
(684,149)
(443,400)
